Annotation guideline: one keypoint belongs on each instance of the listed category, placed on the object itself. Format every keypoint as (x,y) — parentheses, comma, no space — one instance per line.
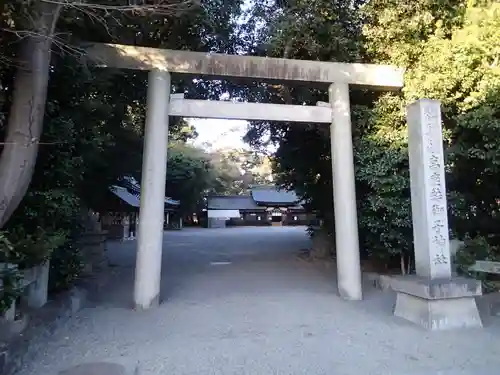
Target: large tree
(450,51)
(93,120)
(313,30)
(38,27)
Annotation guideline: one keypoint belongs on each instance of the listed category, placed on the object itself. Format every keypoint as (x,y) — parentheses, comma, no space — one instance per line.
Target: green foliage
(451,53)
(454,59)
(189,175)
(7,249)
(94,121)
(237,170)
(30,249)
(304,29)
(93,124)
(65,267)
(397,30)
(478,248)
(472,250)
(383,182)
(10,288)
(9,276)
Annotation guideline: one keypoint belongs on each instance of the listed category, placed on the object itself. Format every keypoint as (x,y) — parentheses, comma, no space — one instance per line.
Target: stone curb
(39,325)
(115,366)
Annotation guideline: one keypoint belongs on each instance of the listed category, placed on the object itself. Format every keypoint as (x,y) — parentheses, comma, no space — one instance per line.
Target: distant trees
(193,173)
(240,169)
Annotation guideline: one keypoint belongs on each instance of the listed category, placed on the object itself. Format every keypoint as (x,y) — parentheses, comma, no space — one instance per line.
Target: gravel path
(239,301)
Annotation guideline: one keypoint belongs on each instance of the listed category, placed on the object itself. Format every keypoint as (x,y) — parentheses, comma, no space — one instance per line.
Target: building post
(154,171)
(344,195)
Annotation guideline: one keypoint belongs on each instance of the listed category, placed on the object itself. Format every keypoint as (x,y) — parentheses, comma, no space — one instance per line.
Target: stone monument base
(439,304)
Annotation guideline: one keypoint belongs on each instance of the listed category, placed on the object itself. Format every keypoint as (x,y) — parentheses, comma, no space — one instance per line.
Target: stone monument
(432,298)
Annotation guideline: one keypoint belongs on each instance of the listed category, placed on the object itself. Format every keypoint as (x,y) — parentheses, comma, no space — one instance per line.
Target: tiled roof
(271,195)
(135,189)
(125,195)
(233,202)
(259,198)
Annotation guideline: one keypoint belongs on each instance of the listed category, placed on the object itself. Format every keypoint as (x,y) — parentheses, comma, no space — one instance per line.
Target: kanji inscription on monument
(429,213)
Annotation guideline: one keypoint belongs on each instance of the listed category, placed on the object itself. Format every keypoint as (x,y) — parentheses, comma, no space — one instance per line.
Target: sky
(220,133)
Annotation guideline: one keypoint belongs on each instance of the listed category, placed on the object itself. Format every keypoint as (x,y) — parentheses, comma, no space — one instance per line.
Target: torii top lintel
(263,68)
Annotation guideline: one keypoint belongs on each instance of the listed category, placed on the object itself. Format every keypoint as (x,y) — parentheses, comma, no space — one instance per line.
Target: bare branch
(101,14)
(161,7)
(7,61)
(57,40)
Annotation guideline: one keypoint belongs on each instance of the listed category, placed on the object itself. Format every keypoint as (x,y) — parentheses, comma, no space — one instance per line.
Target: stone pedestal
(93,247)
(322,245)
(38,285)
(432,298)
(438,304)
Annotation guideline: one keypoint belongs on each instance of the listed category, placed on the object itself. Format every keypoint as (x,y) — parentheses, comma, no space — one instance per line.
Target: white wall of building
(223,214)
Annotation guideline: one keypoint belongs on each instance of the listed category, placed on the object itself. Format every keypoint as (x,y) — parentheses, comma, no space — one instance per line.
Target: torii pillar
(154,175)
(344,195)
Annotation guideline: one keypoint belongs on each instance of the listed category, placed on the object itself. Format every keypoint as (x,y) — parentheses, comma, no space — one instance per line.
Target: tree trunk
(24,128)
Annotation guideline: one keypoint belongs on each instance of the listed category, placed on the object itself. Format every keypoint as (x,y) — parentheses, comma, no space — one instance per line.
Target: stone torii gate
(337,77)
